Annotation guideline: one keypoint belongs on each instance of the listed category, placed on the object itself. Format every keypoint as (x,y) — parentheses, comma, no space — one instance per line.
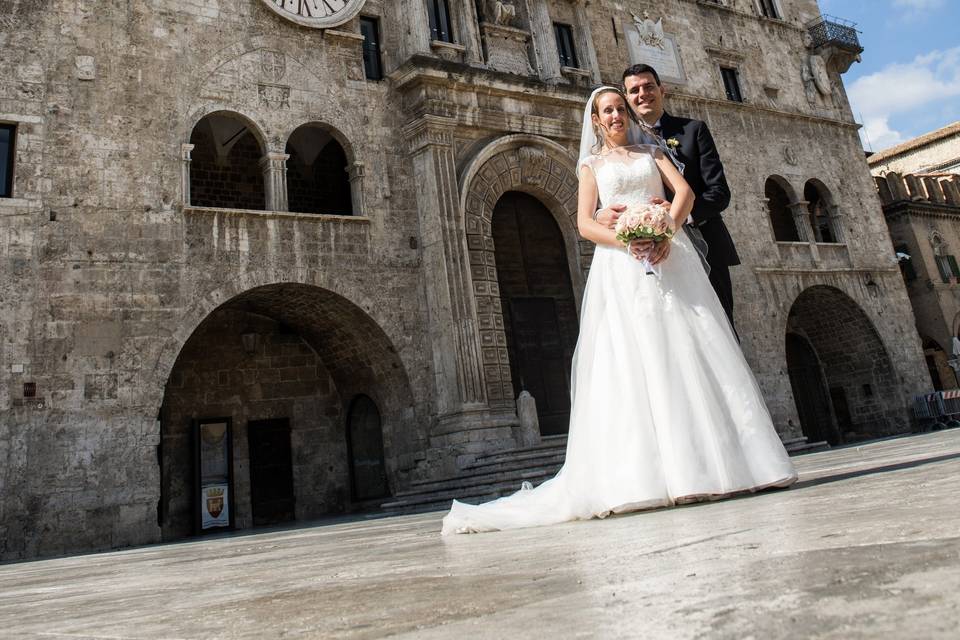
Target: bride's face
(612,115)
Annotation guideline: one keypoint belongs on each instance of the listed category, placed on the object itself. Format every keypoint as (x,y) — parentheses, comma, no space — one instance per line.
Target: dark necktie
(657,129)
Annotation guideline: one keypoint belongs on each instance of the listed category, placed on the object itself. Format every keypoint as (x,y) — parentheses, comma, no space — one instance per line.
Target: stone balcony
(836,40)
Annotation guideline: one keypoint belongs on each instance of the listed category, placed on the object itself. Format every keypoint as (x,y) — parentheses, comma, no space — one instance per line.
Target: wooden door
(271,471)
(537,301)
(540,360)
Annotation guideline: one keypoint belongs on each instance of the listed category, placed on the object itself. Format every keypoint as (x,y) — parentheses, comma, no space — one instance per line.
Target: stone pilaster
(417,37)
(470,32)
(458,368)
(544,43)
(274,166)
(185,160)
(589,62)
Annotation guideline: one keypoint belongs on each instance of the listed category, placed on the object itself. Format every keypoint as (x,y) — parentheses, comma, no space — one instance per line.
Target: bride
(664,407)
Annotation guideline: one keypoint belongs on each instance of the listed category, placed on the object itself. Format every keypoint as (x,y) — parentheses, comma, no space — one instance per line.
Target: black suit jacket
(703,171)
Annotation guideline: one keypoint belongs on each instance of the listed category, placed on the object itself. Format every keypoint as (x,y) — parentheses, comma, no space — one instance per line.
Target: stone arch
(822,208)
(323,174)
(323,348)
(197,114)
(781,201)
(224,157)
(543,169)
(862,383)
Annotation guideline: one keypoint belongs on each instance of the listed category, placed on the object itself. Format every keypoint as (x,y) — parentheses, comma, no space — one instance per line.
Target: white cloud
(900,89)
(918,5)
(877,134)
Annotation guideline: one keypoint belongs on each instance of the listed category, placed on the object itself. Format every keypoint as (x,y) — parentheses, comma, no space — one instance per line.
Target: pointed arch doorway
(538,305)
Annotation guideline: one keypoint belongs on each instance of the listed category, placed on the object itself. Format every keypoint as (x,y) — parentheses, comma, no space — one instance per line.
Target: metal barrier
(938,410)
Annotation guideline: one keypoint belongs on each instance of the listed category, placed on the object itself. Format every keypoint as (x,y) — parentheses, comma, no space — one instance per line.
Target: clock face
(321,14)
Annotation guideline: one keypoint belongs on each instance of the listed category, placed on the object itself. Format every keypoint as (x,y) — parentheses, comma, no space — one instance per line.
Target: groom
(693,145)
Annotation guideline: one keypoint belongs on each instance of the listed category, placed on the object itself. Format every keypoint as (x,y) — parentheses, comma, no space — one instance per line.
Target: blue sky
(909,80)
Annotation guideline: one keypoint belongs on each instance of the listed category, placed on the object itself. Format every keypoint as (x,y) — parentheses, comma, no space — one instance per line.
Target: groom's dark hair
(639,69)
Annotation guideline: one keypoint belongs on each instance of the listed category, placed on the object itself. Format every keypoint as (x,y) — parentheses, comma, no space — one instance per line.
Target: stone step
(807,447)
(546,443)
(427,500)
(467,481)
(513,464)
(514,456)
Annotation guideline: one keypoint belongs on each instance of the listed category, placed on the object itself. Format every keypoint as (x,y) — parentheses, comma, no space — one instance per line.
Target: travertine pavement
(867,545)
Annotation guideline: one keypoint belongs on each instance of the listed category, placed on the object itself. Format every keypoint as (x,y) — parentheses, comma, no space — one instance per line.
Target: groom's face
(645,96)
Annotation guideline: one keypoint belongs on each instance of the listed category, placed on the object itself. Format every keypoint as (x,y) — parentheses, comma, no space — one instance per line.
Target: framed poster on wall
(213,474)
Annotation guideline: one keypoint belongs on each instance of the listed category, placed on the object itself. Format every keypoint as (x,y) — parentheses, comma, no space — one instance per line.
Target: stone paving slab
(867,545)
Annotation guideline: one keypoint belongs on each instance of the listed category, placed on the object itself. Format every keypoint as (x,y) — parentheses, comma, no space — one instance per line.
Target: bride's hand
(640,248)
(660,252)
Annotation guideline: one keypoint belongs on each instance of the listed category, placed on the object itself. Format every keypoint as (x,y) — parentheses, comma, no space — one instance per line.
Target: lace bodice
(627,175)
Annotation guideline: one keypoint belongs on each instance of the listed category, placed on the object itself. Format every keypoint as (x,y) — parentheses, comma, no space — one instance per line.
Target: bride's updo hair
(598,130)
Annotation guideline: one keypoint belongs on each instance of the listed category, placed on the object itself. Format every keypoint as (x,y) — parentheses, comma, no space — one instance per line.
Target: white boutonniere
(673,143)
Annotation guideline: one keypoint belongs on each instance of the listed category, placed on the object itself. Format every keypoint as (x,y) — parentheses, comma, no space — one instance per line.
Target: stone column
(544,42)
(185,160)
(274,166)
(589,61)
(801,220)
(356,172)
(836,223)
(451,311)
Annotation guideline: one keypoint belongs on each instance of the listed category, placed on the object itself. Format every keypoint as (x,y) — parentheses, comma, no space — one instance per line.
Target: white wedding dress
(664,407)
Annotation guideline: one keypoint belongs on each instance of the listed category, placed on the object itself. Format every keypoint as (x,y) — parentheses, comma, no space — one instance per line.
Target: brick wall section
(236,183)
(324,186)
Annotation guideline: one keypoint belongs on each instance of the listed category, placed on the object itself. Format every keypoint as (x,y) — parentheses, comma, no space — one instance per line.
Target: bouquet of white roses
(644,221)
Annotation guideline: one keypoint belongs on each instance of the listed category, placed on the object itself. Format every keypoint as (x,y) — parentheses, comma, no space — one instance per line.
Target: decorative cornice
(922,209)
(429,131)
(726,54)
(503,31)
(426,70)
(343,37)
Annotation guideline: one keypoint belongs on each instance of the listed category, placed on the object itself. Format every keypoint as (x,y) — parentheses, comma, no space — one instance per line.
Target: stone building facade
(934,153)
(317,264)
(923,214)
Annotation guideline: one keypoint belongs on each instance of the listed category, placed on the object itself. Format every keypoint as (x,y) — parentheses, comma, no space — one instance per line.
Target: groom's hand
(660,252)
(608,216)
(664,203)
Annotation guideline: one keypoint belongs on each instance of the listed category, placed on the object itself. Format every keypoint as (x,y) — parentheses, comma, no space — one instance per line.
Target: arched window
(820,207)
(225,164)
(317,173)
(778,205)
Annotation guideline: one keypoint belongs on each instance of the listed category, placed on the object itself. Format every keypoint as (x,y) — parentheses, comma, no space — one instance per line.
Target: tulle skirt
(664,407)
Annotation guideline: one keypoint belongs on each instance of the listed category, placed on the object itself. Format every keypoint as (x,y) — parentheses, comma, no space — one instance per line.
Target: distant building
(934,152)
(923,214)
